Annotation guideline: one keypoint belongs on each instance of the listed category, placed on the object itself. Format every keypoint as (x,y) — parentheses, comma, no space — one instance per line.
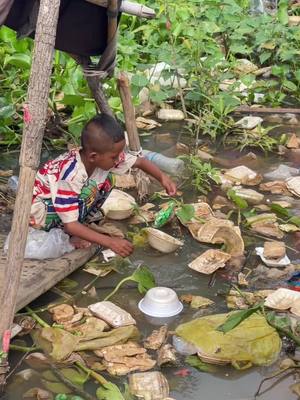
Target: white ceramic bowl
(161,241)
(161,302)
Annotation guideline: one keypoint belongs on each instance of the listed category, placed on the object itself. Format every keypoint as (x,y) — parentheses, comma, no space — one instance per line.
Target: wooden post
(35,113)
(129,112)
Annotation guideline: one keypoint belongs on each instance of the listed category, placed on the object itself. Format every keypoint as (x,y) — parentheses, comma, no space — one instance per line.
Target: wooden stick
(34,123)
(129,112)
(266,110)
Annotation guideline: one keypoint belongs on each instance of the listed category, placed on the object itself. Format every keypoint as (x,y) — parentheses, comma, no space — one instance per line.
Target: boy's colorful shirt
(62,187)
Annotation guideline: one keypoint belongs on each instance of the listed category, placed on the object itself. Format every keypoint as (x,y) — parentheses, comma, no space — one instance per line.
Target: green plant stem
(99,378)
(38,319)
(23,349)
(117,287)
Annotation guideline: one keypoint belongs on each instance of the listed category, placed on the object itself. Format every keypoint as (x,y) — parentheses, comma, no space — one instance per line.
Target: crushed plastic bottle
(257,7)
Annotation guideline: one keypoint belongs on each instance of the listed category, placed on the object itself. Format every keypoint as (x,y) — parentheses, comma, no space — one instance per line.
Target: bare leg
(79,243)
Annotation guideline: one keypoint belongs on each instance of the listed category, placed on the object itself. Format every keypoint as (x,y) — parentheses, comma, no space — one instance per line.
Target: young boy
(70,189)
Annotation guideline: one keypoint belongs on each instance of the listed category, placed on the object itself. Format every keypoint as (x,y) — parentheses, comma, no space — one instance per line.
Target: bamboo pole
(129,113)
(35,113)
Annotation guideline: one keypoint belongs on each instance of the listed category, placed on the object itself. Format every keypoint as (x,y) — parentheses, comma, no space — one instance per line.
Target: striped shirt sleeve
(66,202)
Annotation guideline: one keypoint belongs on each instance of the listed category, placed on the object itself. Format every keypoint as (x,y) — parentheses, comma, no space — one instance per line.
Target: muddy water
(171,270)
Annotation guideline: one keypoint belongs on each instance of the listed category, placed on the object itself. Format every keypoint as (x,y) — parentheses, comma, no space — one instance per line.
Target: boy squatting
(69,190)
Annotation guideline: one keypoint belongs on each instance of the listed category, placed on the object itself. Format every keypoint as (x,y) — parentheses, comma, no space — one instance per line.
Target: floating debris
(125,358)
(283,299)
(275,187)
(249,122)
(282,173)
(112,314)
(149,385)
(209,261)
(161,241)
(293,185)
(293,142)
(146,123)
(282,262)
(250,195)
(119,205)
(169,114)
(196,301)
(157,338)
(166,355)
(243,175)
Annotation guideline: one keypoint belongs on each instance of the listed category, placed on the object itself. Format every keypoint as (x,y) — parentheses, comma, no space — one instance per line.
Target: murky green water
(171,270)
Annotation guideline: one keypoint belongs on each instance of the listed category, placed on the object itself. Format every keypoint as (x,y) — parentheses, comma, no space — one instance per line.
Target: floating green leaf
(142,276)
(195,362)
(185,213)
(235,318)
(109,391)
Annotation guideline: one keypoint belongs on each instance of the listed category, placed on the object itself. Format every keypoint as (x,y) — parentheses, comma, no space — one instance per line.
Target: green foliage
(203,173)
(199,40)
(142,276)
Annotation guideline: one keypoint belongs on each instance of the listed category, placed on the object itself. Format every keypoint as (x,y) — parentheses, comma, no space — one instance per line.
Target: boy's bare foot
(79,243)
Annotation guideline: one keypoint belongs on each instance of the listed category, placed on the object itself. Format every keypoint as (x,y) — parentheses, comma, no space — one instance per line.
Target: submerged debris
(157,338)
(166,355)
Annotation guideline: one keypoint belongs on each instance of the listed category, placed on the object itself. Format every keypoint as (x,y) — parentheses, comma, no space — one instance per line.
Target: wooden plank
(266,110)
(38,276)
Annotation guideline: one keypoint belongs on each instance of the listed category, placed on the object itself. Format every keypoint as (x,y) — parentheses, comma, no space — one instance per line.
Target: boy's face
(109,159)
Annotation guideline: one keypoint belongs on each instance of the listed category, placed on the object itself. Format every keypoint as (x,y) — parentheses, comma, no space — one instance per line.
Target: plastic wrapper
(41,244)
(164,215)
(252,342)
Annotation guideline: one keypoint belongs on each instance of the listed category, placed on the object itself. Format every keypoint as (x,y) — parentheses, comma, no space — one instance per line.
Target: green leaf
(263,57)
(281,211)
(139,80)
(20,60)
(235,318)
(195,362)
(7,111)
(294,220)
(73,100)
(185,213)
(73,375)
(282,13)
(238,201)
(289,85)
(109,391)
(67,285)
(144,278)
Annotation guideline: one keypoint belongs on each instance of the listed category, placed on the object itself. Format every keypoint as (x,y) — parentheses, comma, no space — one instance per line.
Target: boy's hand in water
(168,184)
(120,246)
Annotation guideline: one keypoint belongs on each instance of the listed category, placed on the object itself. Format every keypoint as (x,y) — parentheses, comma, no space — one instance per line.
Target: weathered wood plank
(38,276)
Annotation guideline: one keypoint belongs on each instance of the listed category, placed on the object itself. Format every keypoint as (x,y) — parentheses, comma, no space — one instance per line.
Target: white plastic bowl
(119,205)
(161,241)
(160,302)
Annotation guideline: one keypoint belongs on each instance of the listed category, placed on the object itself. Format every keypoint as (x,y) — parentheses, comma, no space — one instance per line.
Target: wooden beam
(266,110)
(129,112)
(34,125)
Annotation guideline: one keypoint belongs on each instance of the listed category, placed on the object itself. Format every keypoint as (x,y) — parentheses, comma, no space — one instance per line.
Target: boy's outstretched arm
(119,246)
(151,169)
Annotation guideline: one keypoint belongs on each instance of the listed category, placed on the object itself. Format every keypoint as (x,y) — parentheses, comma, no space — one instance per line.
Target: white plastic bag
(41,244)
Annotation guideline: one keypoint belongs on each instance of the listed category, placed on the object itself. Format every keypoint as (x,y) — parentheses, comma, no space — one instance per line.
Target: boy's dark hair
(100,133)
